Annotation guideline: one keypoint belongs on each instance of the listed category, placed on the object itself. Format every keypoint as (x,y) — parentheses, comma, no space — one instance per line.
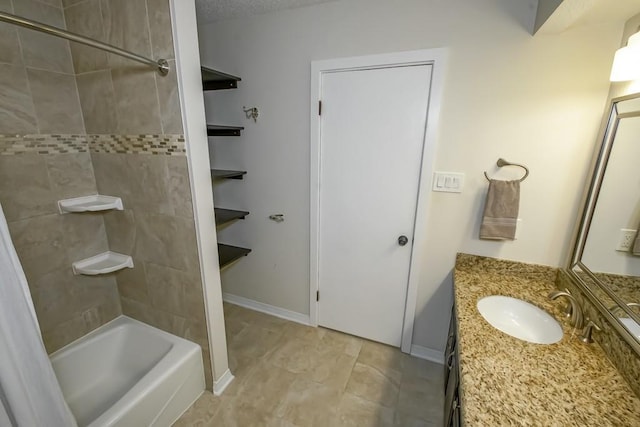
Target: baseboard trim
(427,353)
(224,381)
(266,308)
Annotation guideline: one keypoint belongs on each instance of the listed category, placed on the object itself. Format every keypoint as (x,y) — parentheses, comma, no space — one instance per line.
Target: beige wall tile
(112,176)
(166,288)
(25,190)
(40,50)
(169,101)
(86,19)
(126,26)
(137,106)
(63,334)
(39,244)
(149,181)
(83,235)
(67,3)
(165,240)
(81,323)
(71,175)
(9,46)
(54,3)
(98,101)
(61,296)
(121,231)
(6,6)
(132,282)
(179,188)
(17,113)
(55,97)
(160,26)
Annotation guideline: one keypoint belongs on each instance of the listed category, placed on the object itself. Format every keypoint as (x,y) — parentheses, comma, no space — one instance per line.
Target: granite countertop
(506,381)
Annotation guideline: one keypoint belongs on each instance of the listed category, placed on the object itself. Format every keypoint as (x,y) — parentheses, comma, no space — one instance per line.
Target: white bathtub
(127,373)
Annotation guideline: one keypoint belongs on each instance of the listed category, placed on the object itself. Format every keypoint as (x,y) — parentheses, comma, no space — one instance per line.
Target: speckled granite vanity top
(505,381)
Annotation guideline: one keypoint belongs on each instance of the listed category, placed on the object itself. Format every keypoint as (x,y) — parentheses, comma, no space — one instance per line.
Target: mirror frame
(595,185)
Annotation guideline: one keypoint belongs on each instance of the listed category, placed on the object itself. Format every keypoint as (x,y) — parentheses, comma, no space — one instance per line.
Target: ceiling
(575,13)
(217,10)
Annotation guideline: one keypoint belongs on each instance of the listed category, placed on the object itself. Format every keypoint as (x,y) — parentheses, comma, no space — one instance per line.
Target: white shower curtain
(30,395)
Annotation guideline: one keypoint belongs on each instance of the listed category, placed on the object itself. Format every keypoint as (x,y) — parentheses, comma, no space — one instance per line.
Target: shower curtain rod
(161,65)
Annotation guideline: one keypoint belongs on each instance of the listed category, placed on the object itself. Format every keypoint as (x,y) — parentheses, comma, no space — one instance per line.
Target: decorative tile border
(169,145)
(11,145)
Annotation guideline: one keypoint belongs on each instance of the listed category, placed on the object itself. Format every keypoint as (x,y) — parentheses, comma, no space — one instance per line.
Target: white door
(372,130)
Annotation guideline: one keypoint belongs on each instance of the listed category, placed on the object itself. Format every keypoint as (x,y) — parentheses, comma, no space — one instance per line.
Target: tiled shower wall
(38,93)
(157,228)
(119,96)
(31,181)
(127,122)
(38,97)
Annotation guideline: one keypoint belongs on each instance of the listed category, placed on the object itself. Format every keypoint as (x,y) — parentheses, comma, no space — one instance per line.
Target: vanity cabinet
(451,376)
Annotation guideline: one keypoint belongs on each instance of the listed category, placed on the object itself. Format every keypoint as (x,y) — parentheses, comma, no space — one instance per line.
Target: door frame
(434,57)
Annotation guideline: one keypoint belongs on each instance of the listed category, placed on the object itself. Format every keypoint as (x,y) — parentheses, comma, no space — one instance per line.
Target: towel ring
(502,162)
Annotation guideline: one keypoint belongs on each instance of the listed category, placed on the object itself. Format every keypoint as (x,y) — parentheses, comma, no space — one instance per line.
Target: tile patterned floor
(290,375)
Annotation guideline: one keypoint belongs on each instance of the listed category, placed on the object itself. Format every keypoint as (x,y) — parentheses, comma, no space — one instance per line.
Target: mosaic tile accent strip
(169,145)
(11,145)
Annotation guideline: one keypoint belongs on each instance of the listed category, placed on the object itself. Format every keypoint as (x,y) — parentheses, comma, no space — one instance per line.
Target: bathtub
(127,373)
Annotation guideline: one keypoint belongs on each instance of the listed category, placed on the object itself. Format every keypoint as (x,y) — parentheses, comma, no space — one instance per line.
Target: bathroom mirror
(605,262)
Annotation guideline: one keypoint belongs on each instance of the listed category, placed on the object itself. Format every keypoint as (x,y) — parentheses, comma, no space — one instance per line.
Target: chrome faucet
(574,309)
(587,331)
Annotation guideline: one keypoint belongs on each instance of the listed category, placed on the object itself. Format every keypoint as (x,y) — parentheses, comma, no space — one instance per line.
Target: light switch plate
(448,182)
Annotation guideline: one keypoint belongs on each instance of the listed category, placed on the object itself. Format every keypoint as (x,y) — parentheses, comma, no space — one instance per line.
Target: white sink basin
(520,319)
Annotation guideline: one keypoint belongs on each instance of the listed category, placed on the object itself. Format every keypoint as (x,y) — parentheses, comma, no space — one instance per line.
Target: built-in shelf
(93,203)
(224,216)
(106,262)
(217,80)
(227,174)
(221,130)
(227,253)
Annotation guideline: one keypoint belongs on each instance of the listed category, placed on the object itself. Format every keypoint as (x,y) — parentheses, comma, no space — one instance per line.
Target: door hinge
(317,295)
(319,108)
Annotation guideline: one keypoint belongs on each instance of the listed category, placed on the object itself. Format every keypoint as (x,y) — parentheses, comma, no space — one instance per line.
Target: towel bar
(502,162)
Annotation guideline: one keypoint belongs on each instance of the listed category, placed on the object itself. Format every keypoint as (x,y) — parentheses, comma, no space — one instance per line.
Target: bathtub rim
(180,352)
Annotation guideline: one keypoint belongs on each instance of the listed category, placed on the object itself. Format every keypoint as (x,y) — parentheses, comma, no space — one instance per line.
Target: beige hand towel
(501,210)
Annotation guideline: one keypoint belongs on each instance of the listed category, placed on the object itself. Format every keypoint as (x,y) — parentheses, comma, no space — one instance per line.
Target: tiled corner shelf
(104,263)
(224,216)
(94,203)
(227,253)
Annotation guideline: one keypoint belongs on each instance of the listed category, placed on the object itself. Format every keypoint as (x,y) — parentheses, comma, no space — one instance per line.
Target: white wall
(535,100)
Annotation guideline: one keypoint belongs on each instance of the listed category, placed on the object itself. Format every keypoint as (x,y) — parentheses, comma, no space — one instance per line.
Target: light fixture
(626,63)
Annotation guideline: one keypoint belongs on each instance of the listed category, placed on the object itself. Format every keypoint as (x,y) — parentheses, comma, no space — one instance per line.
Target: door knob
(402,240)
